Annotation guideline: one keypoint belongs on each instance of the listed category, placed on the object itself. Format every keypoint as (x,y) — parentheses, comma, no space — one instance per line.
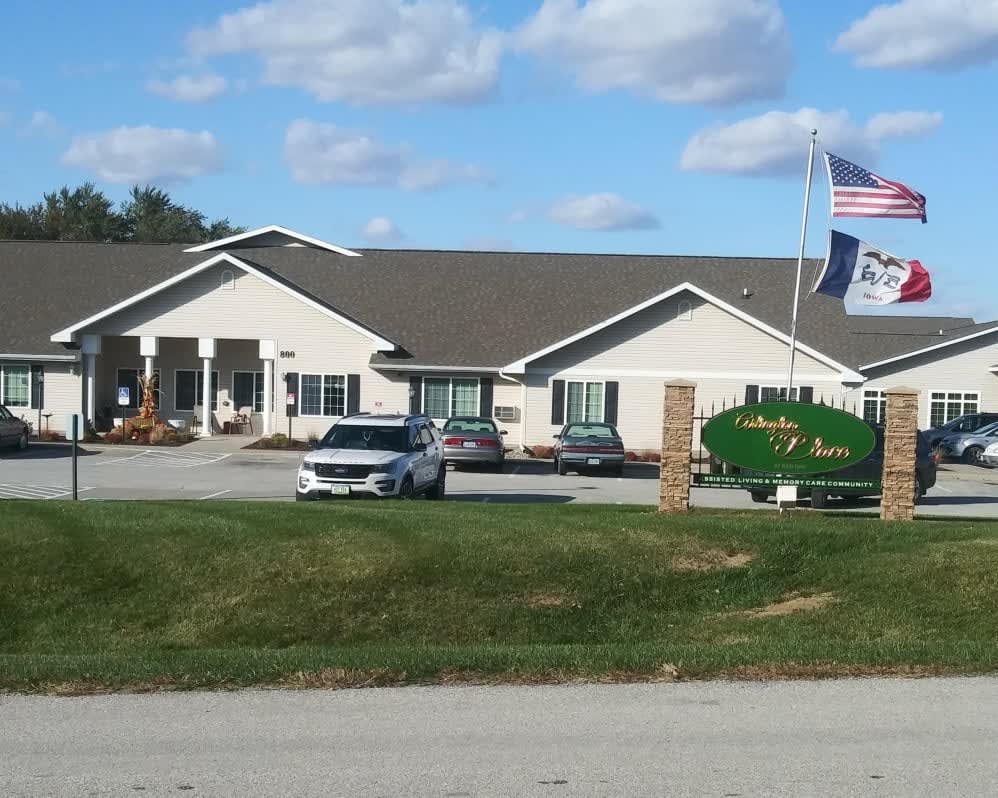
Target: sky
(673,127)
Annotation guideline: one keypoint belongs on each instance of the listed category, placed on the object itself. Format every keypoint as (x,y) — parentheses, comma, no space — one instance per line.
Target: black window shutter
(291,411)
(610,408)
(37,387)
(751,394)
(353,393)
(806,394)
(415,395)
(485,397)
(558,402)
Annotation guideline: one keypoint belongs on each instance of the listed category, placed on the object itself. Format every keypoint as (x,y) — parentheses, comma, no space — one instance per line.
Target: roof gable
(273,235)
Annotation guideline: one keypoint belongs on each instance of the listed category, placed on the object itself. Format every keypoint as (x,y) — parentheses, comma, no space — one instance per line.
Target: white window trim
(880,396)
(450,393)
(684,310)
(198,398)
(778,388)
(301,392)
(3,383)
(138,404)
(584,383)
(928,402)
(232,390)
(228,282)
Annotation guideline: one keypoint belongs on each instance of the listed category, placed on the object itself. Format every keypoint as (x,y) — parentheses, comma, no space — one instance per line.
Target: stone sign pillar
(677,445)
(897,502)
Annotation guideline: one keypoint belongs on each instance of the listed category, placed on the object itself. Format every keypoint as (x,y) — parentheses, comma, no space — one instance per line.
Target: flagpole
(800,262)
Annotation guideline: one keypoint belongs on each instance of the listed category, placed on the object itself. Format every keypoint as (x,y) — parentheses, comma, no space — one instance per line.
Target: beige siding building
(277,325)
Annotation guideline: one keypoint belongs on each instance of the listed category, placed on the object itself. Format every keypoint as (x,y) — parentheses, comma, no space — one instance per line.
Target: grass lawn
(119,595)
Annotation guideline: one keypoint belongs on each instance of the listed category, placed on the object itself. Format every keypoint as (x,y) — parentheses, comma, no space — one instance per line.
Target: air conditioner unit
(504,413)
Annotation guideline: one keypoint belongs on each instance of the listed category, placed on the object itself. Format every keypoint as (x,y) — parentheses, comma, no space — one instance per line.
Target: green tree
(86,214)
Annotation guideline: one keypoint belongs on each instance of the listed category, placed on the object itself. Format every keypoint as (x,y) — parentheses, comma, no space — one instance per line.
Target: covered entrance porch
(208,386)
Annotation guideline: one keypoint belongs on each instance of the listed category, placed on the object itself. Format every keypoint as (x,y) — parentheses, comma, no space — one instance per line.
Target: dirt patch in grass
(787,671)
(791,604)
(539,601)
(710,560)
(342,678)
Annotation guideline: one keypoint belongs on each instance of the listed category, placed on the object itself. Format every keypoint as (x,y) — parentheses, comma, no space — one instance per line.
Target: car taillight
(487,442)
(452,441)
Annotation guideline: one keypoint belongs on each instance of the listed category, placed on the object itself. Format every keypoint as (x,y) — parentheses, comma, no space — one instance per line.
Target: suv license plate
(340,490)
(592,461)
(469,445)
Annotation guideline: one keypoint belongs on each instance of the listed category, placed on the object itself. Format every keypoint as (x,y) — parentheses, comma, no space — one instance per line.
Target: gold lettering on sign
(788,440)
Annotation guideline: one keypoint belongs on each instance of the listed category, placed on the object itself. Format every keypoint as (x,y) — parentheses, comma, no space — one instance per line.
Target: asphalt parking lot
(222,471)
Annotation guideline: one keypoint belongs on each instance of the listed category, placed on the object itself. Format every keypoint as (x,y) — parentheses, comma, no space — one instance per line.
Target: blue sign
(123,397)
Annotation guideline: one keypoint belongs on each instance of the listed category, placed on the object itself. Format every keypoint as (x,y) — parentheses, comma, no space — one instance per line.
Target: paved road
(220,470)
(930,737)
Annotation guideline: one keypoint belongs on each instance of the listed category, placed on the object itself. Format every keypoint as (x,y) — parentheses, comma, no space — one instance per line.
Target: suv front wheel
(407,488)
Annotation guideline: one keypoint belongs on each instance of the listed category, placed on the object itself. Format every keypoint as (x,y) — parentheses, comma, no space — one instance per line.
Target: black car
(969,422)
(871,469)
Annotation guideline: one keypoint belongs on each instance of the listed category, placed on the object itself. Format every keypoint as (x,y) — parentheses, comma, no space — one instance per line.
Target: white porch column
(149,349)
(90,346)
(267,353)
(206,349)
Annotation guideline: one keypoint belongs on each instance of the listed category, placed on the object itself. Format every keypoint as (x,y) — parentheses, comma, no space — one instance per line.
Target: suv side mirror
(556,436)
(419,446)
(503,432)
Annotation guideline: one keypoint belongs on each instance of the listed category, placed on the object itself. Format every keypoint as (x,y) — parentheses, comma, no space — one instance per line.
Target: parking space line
(37,492)
(945,490)
(149,458)
(215,495)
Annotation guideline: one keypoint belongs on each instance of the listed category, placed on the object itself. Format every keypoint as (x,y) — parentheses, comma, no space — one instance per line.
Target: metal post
(76,434)
(800,263)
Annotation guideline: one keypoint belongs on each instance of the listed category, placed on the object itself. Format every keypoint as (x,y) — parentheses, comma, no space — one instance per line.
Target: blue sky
(637,126)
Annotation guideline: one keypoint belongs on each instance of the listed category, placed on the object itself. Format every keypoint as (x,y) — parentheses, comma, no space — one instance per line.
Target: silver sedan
(969,446)
(473,440)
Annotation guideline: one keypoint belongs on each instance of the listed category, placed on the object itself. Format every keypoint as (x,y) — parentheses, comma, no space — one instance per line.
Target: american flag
(858,192)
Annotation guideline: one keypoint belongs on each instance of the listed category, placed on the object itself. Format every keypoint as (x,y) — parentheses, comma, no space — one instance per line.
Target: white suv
(375,456)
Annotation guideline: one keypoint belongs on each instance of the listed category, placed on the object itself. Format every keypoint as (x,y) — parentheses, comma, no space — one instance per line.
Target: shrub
(279,440)
(114,436)
(157,434)
(143,438)
(651,457)
(631,457)
(543,452)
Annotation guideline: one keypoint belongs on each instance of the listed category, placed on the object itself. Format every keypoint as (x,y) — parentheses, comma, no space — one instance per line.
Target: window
(247,390)
(772,393)
(874,407)
(944,406)
(583,401)
(228,280)
(684,311)
(366,438)
(425,436)
(323,395)
(443,397)
(15,386)
(129,378)
(188,389)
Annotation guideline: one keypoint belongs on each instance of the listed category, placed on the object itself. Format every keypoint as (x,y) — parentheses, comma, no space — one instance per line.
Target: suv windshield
(366,438)
(590,431)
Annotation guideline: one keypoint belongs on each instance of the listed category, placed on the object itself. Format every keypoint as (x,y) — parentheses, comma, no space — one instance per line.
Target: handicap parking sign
(122,396)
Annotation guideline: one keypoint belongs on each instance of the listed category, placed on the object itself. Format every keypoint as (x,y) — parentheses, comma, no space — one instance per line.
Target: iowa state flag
(861,274)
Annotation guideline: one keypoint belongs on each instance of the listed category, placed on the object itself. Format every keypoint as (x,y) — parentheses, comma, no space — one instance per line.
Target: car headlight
(385,468)
(307,466)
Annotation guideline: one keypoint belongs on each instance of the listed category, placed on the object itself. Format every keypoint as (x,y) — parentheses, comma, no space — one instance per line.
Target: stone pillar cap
(680,384)
(902,390)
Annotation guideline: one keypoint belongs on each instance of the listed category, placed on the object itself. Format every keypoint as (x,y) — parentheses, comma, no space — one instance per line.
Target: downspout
(523,407)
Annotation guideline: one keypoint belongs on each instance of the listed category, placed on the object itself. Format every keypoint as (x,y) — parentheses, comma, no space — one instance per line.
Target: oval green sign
(788,438)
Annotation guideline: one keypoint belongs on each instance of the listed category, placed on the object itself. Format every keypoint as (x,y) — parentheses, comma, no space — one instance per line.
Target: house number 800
(288,353)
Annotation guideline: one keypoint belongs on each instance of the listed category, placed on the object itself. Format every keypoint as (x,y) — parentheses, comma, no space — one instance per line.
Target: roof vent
(941,332)
(746,293)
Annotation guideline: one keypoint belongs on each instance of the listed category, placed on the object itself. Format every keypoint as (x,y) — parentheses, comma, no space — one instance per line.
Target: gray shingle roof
(449,308)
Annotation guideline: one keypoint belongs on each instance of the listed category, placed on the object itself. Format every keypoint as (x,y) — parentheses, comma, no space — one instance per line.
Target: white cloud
(775,143)
(43,123)
(190,88)
(319,153)
(943,34)
(381,230)
(708,51)
(146,154)
(364,52)
(605,212)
